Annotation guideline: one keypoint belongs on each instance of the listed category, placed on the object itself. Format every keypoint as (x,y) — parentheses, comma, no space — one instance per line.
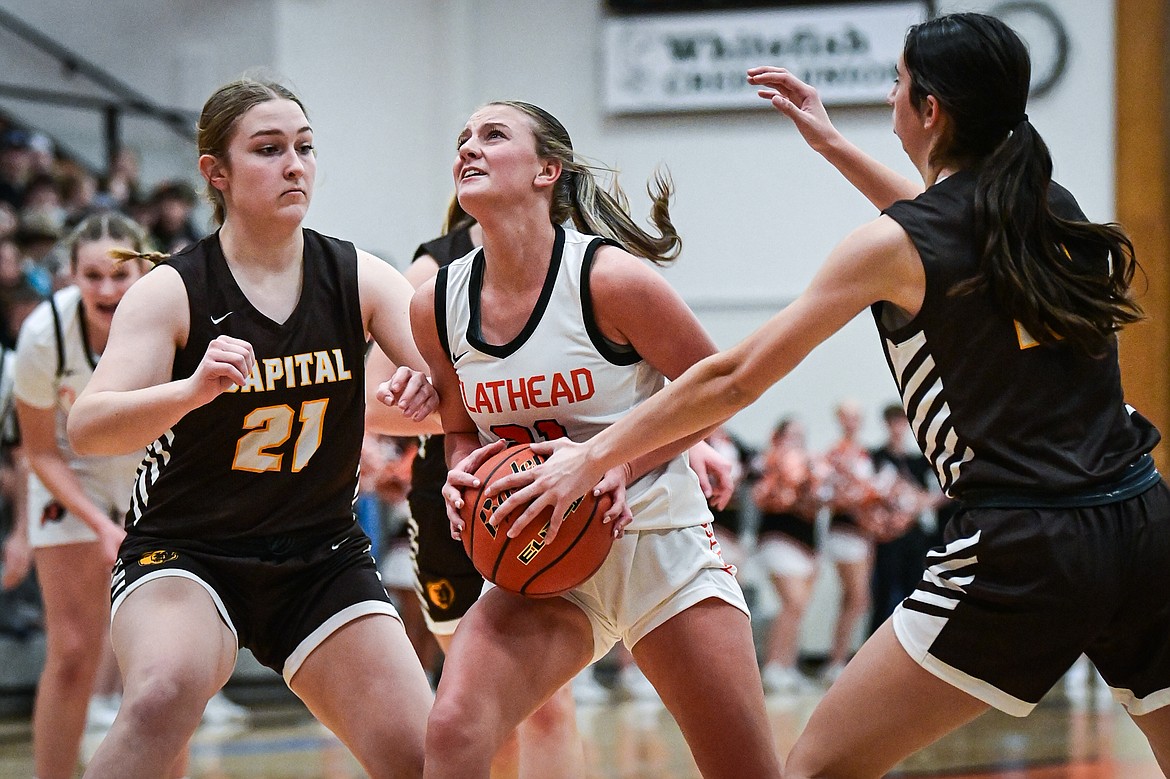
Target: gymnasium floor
(1062,739)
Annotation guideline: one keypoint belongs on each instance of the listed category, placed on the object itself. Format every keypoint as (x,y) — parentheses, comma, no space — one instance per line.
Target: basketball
(526,564)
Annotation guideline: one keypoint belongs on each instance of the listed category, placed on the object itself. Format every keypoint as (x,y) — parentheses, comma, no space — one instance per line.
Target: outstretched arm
(876,262)
(382,415)
(800,102)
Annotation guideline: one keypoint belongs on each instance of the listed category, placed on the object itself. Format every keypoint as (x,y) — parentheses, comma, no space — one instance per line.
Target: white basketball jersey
(559,376)
(44,376)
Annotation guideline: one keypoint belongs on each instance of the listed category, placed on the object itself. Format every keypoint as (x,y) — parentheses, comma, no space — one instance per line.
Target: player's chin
(292,208)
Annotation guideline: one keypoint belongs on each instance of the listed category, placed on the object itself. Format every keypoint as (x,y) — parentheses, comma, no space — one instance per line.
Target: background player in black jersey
(998,304)
(239,364)
(898,554)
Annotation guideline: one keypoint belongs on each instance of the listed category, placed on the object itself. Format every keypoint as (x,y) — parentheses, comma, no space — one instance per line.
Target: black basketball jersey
(991,408)
(429,471)
(280,454)
(447,247)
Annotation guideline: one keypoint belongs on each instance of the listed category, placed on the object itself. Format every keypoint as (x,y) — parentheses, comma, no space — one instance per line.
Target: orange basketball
(526,564)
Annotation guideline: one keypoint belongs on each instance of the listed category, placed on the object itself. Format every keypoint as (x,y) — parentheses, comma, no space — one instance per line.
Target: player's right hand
(461,477)
(228,361)
(110,537)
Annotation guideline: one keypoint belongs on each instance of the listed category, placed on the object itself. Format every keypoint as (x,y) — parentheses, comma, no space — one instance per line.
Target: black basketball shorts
(1016,595)
(281,596)
(448,583)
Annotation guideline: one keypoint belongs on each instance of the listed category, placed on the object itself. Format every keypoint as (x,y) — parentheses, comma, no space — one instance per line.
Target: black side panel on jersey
(441,310)
(990,407)
(615,353)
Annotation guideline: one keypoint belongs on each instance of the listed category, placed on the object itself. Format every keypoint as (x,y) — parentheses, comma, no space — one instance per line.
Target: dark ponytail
(1061,279)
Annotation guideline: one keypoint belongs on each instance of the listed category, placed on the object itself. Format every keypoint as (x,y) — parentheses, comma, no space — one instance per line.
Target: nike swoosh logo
(217,320)
(339,543)
(459,357)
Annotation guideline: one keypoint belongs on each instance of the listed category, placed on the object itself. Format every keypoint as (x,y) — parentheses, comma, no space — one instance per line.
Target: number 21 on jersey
(545,430)
(270,427)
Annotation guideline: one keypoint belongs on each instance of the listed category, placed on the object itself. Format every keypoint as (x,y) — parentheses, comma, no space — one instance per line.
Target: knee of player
(457,725)
(557,715)
(164,700)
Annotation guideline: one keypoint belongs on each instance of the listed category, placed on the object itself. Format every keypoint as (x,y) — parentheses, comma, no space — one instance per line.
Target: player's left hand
(556,483)
(410,391)
(715,474)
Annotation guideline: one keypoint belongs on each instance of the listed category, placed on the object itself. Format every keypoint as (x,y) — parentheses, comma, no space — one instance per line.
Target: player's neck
(517,254)
(268,252)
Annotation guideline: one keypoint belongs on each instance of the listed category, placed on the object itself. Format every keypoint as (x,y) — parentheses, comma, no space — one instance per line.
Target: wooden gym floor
(1063,739)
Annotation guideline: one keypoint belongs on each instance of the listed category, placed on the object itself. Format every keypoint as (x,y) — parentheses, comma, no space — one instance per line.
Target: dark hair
(220,114)
(893,412)
(593,209)
(978,70)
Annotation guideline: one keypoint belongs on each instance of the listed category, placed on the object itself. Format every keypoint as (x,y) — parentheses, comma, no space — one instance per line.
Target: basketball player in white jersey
(552,331)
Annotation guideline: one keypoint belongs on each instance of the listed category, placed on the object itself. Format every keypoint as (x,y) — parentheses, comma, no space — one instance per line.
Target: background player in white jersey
(581,330)
(238,363)
(998,304)
(76,503)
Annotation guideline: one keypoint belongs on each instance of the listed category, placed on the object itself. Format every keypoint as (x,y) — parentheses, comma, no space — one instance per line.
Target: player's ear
(213,171)
(550,170)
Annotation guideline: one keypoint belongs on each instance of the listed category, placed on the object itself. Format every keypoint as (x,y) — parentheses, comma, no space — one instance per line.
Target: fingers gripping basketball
(528,564)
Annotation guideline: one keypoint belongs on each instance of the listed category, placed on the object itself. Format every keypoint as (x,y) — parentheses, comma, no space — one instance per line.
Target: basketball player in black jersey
(998,305)
(238,365)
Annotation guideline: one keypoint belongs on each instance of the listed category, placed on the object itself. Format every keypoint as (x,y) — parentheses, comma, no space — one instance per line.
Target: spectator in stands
(43,153)
(173,228)
(78,191)
(36,236)
(16,162)
(120,188)
(849,543)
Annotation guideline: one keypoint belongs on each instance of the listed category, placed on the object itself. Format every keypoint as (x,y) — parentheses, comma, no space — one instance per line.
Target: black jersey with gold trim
(991,408)
(278,455)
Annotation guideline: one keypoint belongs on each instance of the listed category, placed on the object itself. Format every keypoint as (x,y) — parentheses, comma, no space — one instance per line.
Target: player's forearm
(388,420)
(640,466)
(881,185)
(120,422)
(61,481)
(708,394)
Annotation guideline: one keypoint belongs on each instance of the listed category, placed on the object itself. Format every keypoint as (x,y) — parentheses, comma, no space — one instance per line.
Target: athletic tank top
(52,366)
(559,376)
(279,455)
(992,409)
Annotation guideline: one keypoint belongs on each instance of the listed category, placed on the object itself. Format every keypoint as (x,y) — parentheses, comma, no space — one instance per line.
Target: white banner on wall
(697,61)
